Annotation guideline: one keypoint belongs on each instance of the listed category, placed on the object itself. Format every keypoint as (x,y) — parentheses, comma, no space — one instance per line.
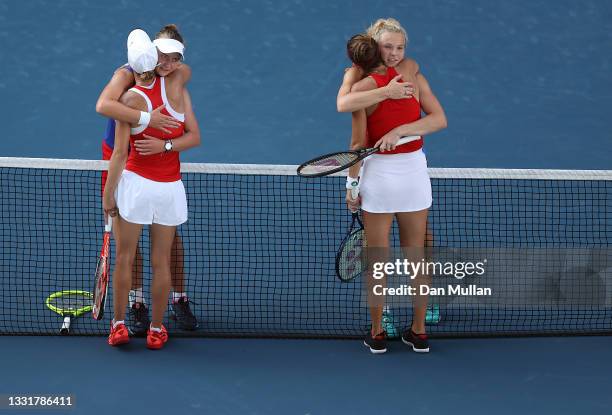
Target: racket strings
(71,302)
(351,256)
(331,162)
(100,287)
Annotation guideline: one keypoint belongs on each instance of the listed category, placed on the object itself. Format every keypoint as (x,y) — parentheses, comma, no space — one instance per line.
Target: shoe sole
(374,351)
(119,343)
(414,349)
(154,347)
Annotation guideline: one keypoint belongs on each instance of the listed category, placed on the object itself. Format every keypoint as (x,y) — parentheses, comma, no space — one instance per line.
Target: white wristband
(351,182)
(145,118)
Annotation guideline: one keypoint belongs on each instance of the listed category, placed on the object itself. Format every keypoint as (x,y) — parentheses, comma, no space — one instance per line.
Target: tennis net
(260,244)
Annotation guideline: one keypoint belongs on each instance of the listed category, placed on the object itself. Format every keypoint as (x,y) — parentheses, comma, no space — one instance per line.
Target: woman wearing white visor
(145,189)
(171,67)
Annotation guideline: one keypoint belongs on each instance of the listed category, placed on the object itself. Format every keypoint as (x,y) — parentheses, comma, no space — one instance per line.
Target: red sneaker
(155,339)
(118,335)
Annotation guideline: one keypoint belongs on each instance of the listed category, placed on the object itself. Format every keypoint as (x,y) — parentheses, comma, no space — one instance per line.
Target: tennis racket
(69,304)
(335,162)
(102,273)
(349,264)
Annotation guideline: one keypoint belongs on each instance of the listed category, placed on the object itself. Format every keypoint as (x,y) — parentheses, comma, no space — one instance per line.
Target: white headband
(169,46)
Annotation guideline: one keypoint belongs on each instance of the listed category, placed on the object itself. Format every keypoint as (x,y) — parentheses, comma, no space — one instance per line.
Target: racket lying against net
(335,162)
(102,273)
(349,261)
(69,304)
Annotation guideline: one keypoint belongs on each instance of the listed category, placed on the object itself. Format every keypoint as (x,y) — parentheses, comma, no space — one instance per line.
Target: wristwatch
(168,145)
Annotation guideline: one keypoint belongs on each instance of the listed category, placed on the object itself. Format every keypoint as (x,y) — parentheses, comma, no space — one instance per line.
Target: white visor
(168,46)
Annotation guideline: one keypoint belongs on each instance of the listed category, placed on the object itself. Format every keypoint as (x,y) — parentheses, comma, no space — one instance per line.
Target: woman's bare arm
(120,155)
(191,138)
(110,106)
(355,101)
(434,120)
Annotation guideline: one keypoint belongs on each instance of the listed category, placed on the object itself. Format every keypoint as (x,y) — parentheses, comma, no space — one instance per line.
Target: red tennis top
(392,113)
(162,167)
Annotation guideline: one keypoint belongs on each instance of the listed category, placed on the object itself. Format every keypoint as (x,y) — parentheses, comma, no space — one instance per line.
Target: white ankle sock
(155,329)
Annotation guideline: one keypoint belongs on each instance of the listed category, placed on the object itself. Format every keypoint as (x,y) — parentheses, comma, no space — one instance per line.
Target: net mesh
(260,247)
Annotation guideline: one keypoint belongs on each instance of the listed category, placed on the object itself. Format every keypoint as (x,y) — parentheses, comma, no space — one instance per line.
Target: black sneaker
(182,314)
(418,342)
(377,344)
(138,323)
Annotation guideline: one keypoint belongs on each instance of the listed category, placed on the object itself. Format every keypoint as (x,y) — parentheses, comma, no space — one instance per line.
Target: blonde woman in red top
(393,183)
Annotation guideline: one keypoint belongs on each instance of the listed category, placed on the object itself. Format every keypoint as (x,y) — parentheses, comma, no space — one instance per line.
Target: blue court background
(524,84)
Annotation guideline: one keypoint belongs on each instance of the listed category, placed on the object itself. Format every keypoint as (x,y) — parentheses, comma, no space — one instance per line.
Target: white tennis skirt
(145,201)
(395,183)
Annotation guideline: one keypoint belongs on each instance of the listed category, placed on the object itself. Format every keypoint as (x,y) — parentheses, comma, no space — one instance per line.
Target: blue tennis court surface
(524,85)
(251,376)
